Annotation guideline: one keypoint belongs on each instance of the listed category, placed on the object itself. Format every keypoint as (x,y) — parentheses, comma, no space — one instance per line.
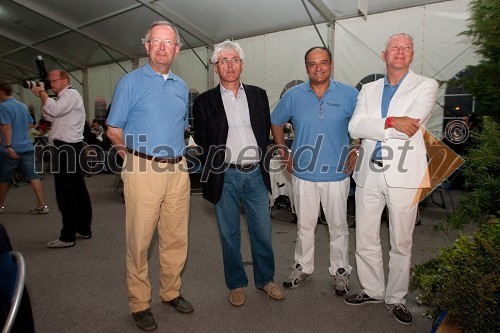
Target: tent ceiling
(75,35)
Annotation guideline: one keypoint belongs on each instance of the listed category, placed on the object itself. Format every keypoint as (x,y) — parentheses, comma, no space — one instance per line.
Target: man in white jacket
(392,167)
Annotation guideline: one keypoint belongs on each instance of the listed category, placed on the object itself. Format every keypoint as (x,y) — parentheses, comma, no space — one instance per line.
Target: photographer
(67,114)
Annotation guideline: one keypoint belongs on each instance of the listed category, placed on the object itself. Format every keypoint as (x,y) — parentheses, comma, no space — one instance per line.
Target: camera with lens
(29,84)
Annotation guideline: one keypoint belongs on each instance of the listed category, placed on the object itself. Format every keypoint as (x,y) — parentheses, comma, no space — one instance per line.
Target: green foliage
(484,80)
(465,280)
(484,27)
(481,173)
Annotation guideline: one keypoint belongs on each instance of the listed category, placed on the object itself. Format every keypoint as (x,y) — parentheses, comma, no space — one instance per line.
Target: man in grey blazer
(388,118)
(232,124)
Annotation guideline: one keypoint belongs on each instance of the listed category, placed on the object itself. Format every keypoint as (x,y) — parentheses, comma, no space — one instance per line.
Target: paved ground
(83,289)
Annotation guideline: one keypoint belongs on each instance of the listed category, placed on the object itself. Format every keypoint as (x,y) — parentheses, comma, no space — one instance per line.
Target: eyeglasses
(225,61)
(158,41)
(55,80)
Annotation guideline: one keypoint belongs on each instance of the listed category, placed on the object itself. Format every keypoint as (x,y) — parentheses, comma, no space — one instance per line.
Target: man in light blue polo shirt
(146,123)
(320,110)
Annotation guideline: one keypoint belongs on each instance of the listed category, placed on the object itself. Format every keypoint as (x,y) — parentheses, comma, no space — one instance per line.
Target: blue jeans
(251,190)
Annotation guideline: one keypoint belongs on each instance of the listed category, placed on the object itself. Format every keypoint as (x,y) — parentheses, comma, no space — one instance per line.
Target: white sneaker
(296,277)
(341,286)
(59,244)
(39,210)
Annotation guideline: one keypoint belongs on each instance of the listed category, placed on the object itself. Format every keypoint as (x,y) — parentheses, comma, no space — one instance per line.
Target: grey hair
(227,45)
(404,34)
(166,23)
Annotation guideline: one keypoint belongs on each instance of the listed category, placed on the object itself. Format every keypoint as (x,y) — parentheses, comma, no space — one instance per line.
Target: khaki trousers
(157,195)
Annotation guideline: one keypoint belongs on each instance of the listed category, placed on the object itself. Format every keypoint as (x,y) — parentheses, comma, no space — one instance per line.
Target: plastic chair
(15,277)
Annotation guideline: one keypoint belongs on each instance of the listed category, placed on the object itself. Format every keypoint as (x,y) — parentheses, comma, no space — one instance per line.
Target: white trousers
(370,202)
(333,197)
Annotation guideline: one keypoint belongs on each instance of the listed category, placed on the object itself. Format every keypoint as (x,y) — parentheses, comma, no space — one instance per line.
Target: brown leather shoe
(273,291)
(237,296)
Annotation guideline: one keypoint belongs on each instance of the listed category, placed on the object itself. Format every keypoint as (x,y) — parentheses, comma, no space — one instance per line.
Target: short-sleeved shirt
(16,114)
(152,111)
(321,138)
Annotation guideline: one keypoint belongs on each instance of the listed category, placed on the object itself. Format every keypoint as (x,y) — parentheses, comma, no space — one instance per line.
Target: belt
(243,167)
(172,160)
(379,163)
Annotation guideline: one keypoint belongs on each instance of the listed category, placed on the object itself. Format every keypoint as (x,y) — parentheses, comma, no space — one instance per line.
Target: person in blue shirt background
(16,150)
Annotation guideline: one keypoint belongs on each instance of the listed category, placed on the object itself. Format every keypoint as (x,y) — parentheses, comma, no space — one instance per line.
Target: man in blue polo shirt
(319,110)
(146,124)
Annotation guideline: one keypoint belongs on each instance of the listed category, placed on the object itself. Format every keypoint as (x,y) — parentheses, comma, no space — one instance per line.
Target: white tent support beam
(22,69)
(110,15)
(376,52)
(331,43)
(393,8)
(313,23)
(40,49)
(405,6)
(13,51)
(37,8)
(197,56)
(323,9)
(116,61)
(8,78)
(452,60)
(32,44)
(161,10)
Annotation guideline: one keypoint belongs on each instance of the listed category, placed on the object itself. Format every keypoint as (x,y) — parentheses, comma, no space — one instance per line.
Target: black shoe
(145,320)
(180,304)
(359,297)
(400,312)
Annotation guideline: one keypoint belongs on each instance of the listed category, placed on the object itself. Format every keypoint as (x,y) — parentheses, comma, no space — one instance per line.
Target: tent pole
(314,24)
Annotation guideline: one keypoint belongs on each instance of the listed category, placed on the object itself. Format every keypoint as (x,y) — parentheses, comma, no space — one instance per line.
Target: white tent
(275,58)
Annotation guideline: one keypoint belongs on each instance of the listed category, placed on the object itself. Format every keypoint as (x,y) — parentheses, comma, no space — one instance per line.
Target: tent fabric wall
(191,69)
(102,81)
